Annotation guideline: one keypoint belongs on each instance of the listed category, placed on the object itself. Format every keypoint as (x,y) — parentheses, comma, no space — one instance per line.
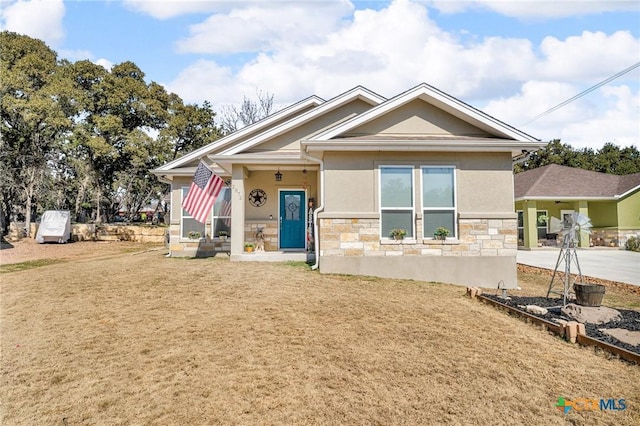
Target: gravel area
(630,319)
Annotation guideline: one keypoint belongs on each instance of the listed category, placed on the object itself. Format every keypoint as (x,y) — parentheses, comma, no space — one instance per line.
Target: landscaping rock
(626,336)
(535,309)
(591,315)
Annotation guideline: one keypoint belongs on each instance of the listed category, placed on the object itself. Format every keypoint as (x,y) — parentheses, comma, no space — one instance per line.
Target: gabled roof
(291,111)
(439,99)
(561,182)
(357,93)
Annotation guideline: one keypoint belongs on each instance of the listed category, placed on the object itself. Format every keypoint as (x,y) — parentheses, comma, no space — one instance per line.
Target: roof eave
(515,148)
(629,192)
(357,93)
(233,137)
(564,198)
(439,99)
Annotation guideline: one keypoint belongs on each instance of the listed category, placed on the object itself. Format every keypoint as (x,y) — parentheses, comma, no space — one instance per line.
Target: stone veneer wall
(205,247)
(611,237)
(360,237)
(269,231)
(624,235)
(604,238)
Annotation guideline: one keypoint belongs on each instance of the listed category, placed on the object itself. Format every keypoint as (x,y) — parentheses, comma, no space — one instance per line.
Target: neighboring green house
(417,161)
(612,203)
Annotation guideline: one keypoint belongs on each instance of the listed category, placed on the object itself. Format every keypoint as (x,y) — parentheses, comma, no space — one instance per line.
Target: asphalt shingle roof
(569,182)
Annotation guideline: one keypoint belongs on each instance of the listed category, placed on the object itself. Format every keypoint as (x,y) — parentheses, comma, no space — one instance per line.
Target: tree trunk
(29,186)
(81,192)
(98,210)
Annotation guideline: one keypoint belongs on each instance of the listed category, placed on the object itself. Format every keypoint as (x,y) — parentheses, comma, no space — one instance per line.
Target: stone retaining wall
(107,232)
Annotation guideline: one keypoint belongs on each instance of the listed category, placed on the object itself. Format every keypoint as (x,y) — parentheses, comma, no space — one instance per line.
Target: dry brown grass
(143,339)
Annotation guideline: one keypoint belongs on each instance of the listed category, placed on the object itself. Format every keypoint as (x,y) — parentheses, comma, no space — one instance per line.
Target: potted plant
(441,233)
(223,235)
(542,220)
(194,235)
(398,233)
(248,247)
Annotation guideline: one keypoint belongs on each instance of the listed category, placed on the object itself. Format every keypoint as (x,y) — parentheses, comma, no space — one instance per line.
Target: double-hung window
(222,213)
(438,199)
(187,223)
(396,199)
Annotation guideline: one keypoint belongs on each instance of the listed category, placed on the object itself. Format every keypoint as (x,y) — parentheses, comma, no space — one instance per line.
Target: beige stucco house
(417,161)
(612,202)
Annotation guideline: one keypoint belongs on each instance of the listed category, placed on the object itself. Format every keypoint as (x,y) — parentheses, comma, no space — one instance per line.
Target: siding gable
(289,141)
(417,118)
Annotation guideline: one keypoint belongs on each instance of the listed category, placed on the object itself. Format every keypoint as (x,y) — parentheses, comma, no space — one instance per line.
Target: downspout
(316,240)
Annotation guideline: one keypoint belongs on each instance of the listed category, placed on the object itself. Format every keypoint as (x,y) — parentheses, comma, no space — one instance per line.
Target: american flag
(225,209)
(202,194)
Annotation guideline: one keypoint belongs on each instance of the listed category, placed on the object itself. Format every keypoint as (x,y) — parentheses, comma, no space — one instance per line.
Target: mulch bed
(630,319)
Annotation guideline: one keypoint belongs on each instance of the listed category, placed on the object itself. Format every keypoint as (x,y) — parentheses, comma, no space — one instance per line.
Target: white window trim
(183,216)
(455,199)
(214,218)
(412,209)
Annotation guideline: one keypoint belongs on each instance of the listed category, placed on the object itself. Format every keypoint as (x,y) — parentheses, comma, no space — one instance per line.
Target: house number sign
(257,197)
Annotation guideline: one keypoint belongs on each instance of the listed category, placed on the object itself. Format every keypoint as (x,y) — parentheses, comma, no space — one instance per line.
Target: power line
(581,94)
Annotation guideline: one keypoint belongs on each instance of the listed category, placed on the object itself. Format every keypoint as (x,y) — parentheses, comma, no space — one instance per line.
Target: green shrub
(633,244)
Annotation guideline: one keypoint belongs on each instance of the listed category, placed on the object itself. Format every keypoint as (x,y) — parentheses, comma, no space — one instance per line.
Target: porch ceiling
(265,161)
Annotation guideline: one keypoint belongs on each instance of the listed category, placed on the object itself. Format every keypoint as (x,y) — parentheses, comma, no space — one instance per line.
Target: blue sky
(511,59)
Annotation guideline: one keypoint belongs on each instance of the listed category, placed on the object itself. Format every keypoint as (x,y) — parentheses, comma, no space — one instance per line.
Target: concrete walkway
(608,264)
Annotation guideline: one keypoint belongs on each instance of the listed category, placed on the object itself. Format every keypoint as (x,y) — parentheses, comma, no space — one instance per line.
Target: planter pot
(589,294)
(440,237)
(248,249)
(398,237)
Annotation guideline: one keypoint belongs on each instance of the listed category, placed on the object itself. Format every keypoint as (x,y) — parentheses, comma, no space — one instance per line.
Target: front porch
(275,256)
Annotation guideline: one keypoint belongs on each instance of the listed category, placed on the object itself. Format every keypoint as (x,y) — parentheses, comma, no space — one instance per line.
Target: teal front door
(292,219)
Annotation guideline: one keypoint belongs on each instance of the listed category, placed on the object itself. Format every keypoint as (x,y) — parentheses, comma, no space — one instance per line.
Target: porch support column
(529,217)
(582,206)
(237,210)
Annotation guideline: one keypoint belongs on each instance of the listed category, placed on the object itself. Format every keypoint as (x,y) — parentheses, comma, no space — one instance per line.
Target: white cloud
(394,48)
(205,80)
(590,55)
(105,63)
(609,114)
(399,46)
(41,19)
(617,123)
(263,27)
(165,9)
(536,9)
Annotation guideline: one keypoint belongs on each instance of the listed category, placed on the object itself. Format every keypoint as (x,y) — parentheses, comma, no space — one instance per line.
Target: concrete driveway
(609,264)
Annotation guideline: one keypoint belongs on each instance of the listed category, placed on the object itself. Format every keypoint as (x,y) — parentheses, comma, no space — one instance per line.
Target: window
(542,224)
(222,213)
(520,227)
(187,223)
(438,199)
(396,199)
